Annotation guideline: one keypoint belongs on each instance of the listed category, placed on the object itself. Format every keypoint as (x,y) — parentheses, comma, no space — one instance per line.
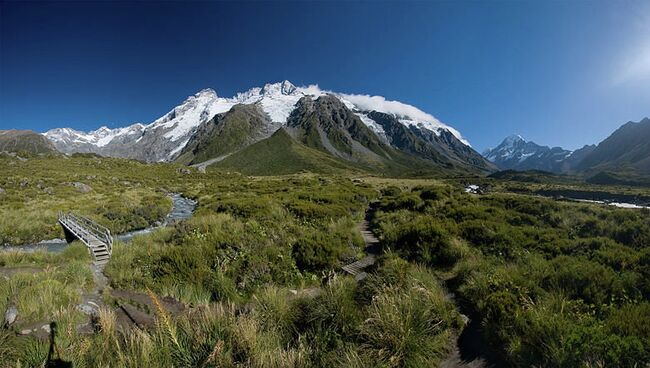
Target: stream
(182,209)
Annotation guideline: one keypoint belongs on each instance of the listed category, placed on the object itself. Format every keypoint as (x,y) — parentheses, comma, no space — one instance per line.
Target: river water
(182,209)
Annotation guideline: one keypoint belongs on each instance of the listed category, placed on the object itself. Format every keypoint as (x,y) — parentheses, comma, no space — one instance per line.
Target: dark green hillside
(24,141)
(227,133)
(279,155)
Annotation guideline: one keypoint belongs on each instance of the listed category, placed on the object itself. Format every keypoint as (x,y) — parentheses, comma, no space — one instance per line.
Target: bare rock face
(81,187)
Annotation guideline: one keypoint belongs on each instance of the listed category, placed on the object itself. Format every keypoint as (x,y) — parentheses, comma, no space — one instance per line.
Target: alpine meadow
(309,210)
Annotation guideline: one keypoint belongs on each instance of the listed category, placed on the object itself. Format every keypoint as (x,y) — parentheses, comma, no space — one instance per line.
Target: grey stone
(10,315)
(83,188)
(87,309)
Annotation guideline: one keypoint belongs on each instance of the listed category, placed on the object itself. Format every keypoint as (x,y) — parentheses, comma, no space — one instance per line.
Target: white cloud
(380,103)
(312,89)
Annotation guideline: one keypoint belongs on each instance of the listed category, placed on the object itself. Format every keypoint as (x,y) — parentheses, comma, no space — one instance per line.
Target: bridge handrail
(97,230)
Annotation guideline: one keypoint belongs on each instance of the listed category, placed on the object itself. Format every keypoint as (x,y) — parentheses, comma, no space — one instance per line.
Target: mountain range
(358,131)
(626,149)
(282,128)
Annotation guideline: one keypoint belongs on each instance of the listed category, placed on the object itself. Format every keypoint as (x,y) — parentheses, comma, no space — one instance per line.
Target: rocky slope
(24,141)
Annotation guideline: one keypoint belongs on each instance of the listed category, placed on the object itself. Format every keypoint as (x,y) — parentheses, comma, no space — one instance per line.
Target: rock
(46,328)
(183,171)
(83,188)
(49,190)
(25,332)
(10,315)
(87,309)
(2,191)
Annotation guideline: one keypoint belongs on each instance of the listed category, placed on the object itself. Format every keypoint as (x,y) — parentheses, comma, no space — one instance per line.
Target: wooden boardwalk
(371,248)
(97,238)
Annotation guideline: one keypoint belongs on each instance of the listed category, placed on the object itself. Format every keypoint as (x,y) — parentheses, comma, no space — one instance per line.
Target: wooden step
(356,267)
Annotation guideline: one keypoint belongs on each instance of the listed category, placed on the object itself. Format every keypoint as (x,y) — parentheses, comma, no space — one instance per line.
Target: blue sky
(559,73)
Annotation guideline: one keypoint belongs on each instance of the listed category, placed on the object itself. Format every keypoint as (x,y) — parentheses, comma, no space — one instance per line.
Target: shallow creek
(182,209)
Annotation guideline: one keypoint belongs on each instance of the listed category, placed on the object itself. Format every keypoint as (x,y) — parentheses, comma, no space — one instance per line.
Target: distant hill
(24,141)
(628,148)
(533,176)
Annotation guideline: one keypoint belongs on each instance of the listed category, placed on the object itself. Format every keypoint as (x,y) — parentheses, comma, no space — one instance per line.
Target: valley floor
(255,278)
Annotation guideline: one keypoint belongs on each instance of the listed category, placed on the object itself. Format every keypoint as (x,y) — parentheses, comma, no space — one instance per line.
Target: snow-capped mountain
(515,153)
(70,140)
(165,138)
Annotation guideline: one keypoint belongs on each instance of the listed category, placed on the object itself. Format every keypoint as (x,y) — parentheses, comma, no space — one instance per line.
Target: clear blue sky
(559,73)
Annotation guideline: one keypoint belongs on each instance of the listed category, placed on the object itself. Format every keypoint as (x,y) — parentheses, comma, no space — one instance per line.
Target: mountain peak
(280,88)
(206,92)
(513,138)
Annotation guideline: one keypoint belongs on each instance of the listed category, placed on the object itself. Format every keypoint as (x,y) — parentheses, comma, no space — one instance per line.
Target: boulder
(83,188)
(10,315)
(2,191)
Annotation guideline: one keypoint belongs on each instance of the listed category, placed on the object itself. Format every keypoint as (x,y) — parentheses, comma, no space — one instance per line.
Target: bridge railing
(100,232)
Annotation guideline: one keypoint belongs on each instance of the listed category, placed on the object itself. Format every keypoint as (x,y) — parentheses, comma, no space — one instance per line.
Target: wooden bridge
(97,238)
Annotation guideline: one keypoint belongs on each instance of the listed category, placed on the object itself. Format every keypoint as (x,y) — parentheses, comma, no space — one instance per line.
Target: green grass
(125,195)
(552,283)
(279,155)
(544,278)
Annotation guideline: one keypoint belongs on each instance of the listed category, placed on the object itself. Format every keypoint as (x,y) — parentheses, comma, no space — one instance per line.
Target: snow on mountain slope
(518,154)
(76,141)
(407,114)
(165,137)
